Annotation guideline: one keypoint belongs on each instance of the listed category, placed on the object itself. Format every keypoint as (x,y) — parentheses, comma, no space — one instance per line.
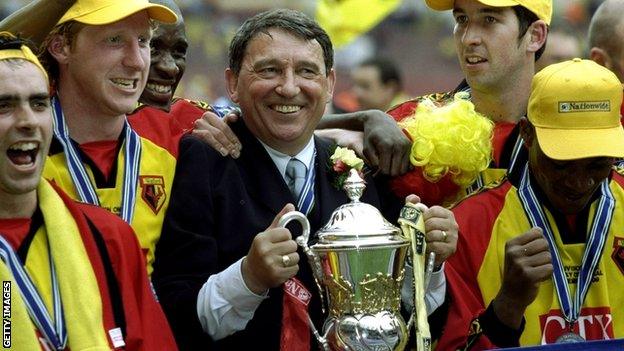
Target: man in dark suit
(222,261)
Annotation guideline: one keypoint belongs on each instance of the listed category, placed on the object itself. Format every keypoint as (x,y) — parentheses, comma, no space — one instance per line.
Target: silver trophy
(358,264)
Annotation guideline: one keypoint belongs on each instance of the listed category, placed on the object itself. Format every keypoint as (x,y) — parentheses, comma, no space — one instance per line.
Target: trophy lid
(357,224)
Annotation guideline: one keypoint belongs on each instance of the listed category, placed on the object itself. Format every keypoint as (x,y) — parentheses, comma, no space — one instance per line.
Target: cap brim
(499,3)
(573,144)
(440,5)
(443,5)
(121,10)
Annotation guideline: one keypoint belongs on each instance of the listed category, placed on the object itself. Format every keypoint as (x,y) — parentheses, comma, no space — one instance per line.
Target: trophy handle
(302,241)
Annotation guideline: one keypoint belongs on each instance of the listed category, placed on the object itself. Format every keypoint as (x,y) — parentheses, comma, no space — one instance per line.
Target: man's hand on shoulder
(216,132)
(266,265)
(385,144)
(351,139)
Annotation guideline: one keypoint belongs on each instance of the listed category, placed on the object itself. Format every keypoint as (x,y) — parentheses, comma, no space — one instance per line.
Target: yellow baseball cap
(100,12)
(575,108)
(541,8)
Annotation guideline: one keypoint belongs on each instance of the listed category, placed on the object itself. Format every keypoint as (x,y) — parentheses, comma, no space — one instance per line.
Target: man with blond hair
(98,56)
(159,121)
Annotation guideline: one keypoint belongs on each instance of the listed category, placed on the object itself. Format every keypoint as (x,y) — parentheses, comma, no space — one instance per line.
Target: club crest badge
(153,191)
(618,253)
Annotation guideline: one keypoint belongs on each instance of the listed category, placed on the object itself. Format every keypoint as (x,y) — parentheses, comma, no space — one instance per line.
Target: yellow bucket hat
(100,12)
(575,108)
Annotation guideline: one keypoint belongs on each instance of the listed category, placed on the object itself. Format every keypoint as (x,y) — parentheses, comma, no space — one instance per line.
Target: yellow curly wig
(452,139)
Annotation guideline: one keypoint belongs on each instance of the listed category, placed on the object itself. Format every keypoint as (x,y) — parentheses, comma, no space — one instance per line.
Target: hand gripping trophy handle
(413,227)
(302,240)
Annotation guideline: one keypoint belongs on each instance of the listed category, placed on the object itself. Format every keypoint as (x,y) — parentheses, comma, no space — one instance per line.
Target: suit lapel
(266,186)
(263,181)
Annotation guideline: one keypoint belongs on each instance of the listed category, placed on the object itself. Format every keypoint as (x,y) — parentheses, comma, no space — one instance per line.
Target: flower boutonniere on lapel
(341,162)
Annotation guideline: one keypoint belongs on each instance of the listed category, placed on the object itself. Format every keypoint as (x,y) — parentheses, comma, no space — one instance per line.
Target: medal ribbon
(55,333)
(593,249)
(413,227)
(513,163)
(84,187)
(518,146)
(306,198)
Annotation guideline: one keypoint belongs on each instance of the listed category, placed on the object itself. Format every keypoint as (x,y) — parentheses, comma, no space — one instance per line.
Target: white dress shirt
(225,304)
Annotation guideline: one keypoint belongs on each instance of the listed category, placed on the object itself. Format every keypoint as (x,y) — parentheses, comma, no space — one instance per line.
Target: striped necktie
(295,176)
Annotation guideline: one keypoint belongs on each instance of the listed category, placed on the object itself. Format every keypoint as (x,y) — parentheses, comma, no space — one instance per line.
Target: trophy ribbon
(413,227)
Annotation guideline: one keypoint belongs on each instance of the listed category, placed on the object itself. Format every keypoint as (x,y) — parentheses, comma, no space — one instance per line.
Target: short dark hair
(291,21)
(525,19)
(9,41)
(388,70)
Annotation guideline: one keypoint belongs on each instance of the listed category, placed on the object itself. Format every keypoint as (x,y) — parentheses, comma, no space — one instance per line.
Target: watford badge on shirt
(618,252)
(153,191)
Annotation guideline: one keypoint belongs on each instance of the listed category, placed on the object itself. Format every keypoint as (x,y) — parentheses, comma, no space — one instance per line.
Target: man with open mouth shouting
(73,272)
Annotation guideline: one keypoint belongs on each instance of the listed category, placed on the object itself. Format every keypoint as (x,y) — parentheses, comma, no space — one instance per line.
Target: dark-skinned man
(540,253)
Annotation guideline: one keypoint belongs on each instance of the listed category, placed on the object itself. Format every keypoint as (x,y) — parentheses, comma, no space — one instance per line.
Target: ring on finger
(444,236)
(286,260)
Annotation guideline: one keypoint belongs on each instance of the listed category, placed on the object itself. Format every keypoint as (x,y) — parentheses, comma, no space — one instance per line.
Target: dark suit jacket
(217,207)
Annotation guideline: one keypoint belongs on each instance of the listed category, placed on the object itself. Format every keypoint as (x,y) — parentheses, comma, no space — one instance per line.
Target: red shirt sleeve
(475,216)
(147,328)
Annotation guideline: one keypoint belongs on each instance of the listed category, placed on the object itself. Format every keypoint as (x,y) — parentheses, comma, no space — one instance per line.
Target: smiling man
(168,61)
(93,128)
(98,56)
(221,263)
(540,253)
(497,43)
(81,266)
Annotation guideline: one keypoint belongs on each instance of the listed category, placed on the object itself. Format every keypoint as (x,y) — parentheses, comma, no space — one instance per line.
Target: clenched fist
(272,258)
(527,264)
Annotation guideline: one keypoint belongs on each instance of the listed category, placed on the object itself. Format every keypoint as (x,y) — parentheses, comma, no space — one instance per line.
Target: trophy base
(569,338)
(382,331)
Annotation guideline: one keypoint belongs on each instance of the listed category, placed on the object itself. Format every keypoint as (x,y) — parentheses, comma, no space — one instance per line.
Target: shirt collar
(281,160)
